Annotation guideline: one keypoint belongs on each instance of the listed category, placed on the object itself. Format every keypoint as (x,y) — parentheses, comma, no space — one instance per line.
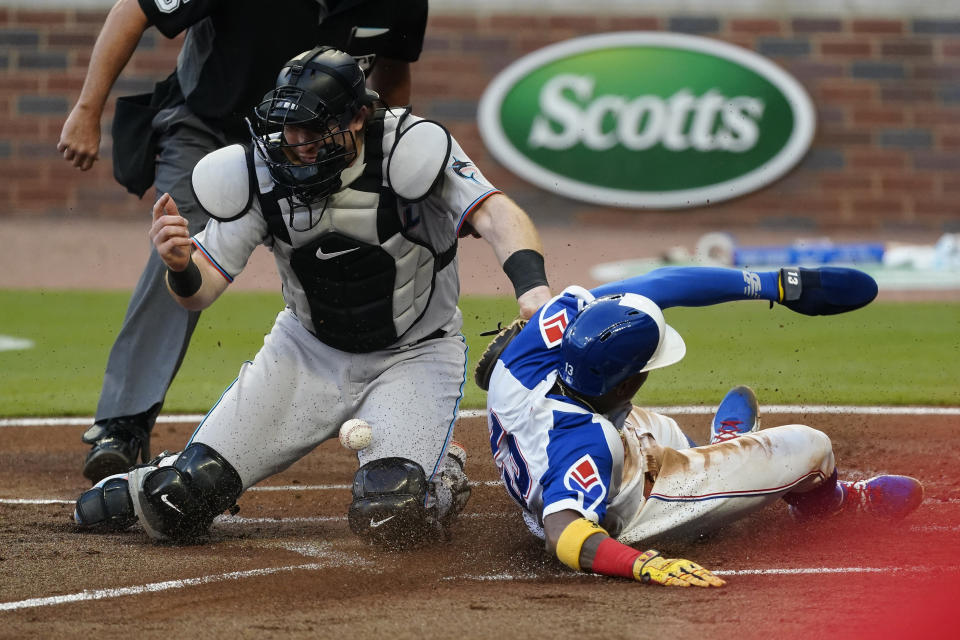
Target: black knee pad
(388,503)
(187,496)
(106,507)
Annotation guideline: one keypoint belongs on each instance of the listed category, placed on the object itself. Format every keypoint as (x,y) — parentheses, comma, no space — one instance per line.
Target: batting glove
(650,566)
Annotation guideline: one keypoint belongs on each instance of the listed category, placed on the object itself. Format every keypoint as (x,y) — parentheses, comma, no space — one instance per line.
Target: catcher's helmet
(320,90)
(613,338)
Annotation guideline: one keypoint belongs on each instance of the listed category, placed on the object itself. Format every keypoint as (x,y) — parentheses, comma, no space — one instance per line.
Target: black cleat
(117,443)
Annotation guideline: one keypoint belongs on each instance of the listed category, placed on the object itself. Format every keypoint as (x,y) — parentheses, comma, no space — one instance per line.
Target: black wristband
(187,282)
(525,270)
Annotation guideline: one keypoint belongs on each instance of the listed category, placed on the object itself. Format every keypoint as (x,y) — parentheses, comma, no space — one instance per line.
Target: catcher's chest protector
(366,281)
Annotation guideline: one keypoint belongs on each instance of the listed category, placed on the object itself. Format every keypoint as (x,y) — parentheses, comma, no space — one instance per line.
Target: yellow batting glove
(650,566)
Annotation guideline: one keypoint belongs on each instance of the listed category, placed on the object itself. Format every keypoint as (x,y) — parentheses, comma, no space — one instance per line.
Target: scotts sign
(646,119)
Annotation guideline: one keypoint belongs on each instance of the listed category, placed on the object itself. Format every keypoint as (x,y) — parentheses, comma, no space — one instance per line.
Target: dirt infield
(288,566)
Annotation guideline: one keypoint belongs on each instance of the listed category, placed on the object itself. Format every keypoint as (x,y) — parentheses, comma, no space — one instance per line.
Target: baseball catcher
(229,58)
(593,474)
(362,209)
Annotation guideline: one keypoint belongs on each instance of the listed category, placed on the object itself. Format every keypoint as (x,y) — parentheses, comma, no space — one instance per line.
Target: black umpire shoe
(117,442)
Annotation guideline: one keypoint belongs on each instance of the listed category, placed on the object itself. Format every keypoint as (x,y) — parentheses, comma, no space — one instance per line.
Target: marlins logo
(458,167)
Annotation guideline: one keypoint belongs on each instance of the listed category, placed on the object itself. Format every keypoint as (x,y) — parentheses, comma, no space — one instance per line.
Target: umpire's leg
(156,330)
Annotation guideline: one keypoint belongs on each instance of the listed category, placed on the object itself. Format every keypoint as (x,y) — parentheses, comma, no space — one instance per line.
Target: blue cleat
(889,497)
(736,415)
(106,506)
(886,497)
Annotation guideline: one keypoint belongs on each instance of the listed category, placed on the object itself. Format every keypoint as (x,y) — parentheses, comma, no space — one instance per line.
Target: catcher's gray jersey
(327,254)
(360,252)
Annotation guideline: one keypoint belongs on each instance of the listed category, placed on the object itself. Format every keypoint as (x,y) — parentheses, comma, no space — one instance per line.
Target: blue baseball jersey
(554,452)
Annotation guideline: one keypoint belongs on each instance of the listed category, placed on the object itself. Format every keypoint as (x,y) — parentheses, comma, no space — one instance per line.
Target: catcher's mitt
(488,359)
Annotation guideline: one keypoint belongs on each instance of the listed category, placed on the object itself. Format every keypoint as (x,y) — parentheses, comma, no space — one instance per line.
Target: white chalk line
(152,587)
(338,559)
(229,520)
(312,551)
(806,571)
(934,528)
(303,487)
(288,487)
(13,343)
(279,520)
(240,520)
(74,422)
(476,413)
(325,487)
(507,577)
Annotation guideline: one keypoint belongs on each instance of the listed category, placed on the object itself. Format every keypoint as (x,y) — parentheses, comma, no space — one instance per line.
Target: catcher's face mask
(303,127)
(304,145)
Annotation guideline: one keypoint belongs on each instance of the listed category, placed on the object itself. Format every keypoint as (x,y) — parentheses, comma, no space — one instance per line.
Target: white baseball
(356,434)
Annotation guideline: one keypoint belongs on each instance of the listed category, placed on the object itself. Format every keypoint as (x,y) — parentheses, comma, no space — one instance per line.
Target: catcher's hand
(652,567)
(170,234)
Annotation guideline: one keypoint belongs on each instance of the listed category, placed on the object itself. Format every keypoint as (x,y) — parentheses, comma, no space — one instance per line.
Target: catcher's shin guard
(106,506)
(388,505)
(180,501)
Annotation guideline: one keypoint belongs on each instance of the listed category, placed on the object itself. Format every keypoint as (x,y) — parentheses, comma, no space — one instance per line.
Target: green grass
(888,353)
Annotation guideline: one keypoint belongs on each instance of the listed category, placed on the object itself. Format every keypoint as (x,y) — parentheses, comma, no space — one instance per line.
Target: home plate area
(287,565)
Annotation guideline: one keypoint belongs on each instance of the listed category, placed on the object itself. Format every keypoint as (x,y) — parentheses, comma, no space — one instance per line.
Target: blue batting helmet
(613,338)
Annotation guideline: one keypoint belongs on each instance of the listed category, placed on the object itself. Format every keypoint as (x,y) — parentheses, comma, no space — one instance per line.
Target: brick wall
(887,94)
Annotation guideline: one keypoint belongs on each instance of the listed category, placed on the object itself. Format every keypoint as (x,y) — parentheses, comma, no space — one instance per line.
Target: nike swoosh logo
(369,32)
(376,523)
(333,254)
(166,500)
